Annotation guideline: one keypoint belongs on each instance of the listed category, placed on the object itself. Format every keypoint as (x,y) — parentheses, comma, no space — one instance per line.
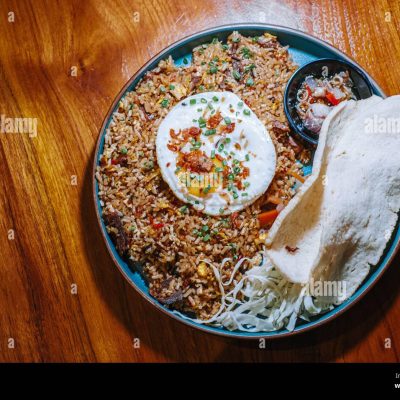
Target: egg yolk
(198,190)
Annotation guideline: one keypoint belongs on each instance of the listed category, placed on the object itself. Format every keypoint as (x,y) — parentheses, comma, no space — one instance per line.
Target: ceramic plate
(303,48)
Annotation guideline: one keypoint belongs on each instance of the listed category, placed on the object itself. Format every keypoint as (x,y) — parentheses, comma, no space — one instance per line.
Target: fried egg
(214,153)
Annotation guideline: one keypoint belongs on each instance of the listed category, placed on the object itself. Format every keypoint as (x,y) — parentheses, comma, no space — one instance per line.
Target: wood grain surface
(61,297)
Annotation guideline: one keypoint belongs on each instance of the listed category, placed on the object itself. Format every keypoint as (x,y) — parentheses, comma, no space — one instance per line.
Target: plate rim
(271,335)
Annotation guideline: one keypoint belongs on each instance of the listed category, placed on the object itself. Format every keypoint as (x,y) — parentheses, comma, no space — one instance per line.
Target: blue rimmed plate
(303,48)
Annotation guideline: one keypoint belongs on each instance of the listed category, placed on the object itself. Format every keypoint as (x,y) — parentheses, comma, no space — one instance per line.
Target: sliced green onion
(207,189)
(206,238)
(248,68)
(250,82)
(196,145)
(210,132)
(236,74)
(202,122)
(183,209)
(246,52)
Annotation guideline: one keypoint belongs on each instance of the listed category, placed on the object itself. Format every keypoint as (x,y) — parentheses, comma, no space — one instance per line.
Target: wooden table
(63,62)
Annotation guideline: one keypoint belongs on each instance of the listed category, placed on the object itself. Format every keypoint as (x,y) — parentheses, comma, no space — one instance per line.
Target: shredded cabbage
(269,301)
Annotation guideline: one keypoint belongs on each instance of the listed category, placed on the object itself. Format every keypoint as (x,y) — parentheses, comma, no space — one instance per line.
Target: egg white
(249,132)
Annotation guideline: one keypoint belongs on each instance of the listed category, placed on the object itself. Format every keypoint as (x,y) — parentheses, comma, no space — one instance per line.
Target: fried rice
(154,231)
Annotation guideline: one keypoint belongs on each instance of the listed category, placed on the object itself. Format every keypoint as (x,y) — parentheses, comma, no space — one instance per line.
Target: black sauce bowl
(362,89)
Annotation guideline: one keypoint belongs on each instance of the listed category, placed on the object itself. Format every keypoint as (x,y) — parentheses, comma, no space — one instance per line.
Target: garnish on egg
(206,155)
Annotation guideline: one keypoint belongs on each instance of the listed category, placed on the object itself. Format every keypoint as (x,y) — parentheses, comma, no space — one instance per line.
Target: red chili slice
(155,225)
(332,99)
(309,91)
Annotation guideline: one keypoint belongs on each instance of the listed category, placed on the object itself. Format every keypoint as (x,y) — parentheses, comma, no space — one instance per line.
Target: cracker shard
(343,216)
